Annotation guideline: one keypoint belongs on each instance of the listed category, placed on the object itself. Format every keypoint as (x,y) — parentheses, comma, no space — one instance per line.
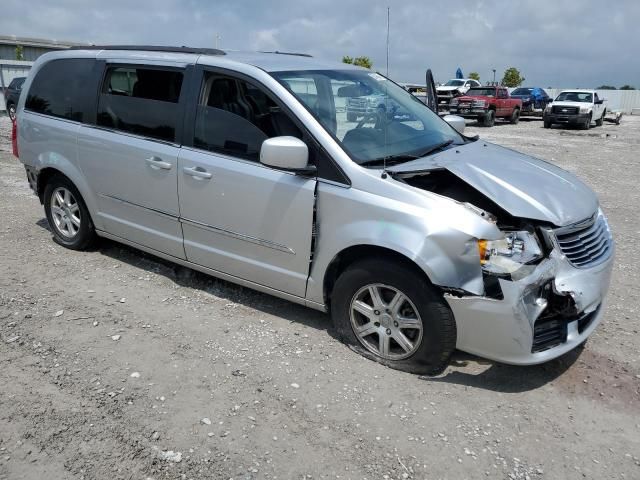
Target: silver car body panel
(271,252)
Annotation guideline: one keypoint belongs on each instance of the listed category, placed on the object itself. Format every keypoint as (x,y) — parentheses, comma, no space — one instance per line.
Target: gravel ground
(116,365)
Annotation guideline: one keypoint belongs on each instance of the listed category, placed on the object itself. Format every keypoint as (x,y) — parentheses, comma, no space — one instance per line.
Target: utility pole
(494,76)
(218,37)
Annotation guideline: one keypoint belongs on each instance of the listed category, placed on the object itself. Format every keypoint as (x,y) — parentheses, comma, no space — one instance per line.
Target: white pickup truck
(454,88)
(575,107)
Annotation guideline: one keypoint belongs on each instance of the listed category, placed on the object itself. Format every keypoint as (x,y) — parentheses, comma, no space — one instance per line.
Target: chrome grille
(565,110)
(587,244)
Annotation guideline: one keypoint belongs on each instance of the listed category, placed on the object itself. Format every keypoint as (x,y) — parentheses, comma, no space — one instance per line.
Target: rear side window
(62,88)
(141,100)
(16,83)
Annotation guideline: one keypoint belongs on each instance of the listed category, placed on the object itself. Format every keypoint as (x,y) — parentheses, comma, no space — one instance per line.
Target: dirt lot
(115,365)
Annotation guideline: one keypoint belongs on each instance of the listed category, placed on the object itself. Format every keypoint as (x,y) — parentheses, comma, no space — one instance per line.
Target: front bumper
(507,330)
(468,112)
(574,119)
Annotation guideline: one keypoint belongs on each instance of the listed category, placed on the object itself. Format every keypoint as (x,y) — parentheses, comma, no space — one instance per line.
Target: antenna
(386,103)
(388,14)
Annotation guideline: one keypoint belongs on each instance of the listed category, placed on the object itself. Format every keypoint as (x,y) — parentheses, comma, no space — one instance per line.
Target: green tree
(606,87)
(363,62)
(474,76)
(627,87)
(19,52)
(512,78)
(359,61)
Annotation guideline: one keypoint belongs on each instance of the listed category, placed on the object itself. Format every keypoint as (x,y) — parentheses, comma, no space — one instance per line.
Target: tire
(515,116)
(587,123)
(490,118)
(600,121)
(11,110)
(429,334)
(547,123)
(352,117)
(67,214)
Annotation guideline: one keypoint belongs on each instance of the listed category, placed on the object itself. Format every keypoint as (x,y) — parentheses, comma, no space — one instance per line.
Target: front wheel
(547,123)
(351,117)
(489,118)
(600,121)
(391,314)
(67,214)
(587,123)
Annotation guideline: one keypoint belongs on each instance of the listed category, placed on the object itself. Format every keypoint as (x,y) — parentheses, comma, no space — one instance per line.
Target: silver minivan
(418,239)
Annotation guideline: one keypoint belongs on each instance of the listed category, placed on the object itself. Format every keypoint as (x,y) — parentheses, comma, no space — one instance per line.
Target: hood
(523,186)
(447,88)
(563,103)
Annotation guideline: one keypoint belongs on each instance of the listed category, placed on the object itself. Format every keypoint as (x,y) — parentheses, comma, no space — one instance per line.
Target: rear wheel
(489,118)
(391,314)
(515,116)
(11,109)
(67,214)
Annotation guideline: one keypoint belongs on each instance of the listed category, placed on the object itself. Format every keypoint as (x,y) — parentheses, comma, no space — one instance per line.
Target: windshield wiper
(404,157)
(390,160)
(435,148)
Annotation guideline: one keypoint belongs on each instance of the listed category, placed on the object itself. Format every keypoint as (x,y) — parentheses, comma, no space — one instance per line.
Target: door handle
(197,172)
(157,163)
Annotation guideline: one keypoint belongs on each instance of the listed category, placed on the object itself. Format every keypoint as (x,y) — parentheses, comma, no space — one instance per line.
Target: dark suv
(11,95)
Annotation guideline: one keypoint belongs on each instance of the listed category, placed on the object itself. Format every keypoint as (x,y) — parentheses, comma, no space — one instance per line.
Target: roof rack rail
(153,48)
(290,53)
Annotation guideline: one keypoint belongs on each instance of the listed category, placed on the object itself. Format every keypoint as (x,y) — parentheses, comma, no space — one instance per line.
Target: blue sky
(553,43)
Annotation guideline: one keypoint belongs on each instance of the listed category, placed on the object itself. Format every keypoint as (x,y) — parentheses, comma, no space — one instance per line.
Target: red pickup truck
(485,104)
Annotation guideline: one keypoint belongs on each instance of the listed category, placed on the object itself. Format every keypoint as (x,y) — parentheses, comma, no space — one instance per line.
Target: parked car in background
(454,88)
(485,104)
(534,100)
(11,95)
(575,107)
(416,238)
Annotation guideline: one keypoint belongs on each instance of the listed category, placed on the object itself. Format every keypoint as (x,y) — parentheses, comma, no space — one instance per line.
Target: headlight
(454,101)
(548,107)
(478,103)
(584,109)
(508,254)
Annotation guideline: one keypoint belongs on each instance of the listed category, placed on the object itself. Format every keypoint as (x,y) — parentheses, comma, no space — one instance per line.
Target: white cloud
(551,42)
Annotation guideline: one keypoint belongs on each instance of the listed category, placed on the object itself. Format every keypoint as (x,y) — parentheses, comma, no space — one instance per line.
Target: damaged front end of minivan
(546,278)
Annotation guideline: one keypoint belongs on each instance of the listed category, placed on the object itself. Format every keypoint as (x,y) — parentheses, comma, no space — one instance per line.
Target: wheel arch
(45,175)
(354,253)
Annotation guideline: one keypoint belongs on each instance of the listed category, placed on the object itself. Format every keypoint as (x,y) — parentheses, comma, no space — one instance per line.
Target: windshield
(484,92)
(522,91)
(575,97)
(371,117)
(454,83)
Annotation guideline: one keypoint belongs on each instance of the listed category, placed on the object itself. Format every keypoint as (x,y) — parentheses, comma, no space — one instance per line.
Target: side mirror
(456,122)
(287,153)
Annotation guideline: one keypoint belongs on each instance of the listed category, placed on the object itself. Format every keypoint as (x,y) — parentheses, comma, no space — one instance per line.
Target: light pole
(494,76)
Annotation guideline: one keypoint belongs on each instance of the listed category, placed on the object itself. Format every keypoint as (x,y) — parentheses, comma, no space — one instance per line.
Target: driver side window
(234,117)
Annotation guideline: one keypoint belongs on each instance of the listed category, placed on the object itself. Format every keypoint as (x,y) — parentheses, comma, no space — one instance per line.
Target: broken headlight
(509,254)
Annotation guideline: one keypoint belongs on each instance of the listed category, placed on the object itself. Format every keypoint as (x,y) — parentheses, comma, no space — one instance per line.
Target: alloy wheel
(65,212)
(386,322)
